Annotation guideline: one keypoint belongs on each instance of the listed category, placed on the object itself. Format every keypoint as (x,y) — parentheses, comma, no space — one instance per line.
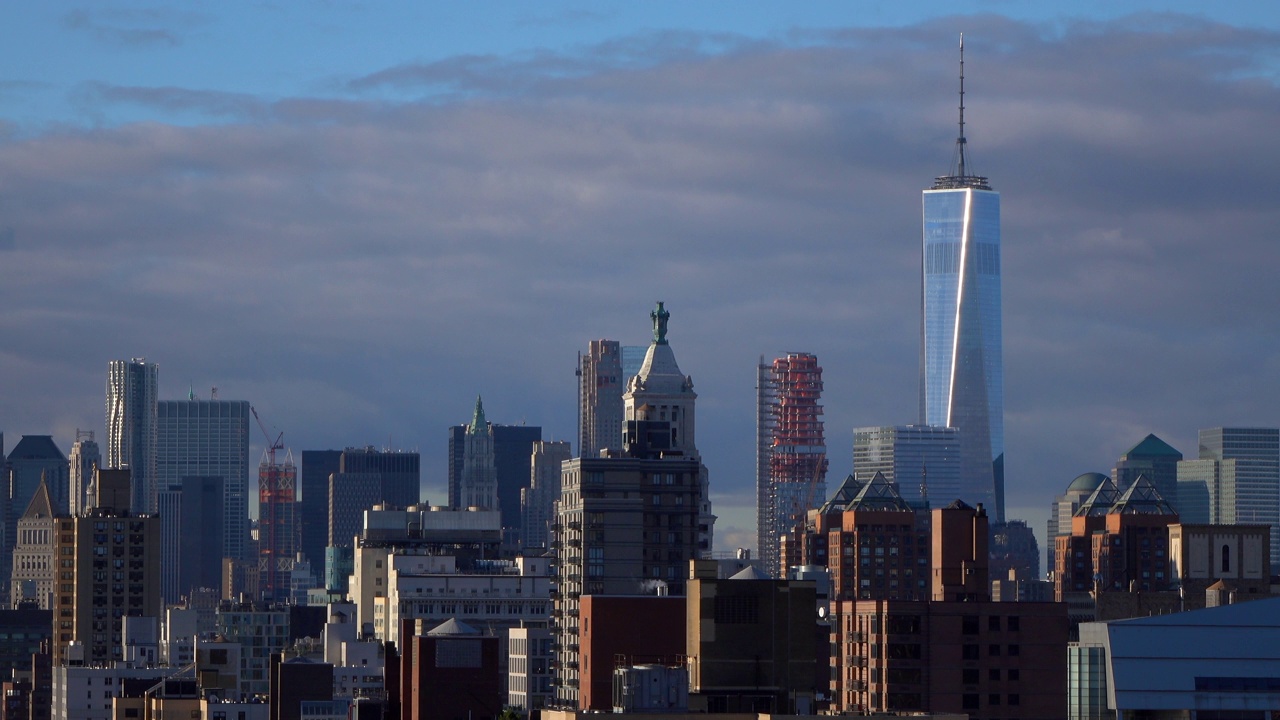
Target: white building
(131,426)
(529,668)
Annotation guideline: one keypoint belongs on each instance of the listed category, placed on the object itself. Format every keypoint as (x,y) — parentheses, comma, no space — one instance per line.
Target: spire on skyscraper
(478,423)
(960,177)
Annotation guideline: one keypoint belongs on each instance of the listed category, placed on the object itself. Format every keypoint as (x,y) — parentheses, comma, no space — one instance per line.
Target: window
(969,625)
(1013,623)
(1015,699)
(969,701)
(993,699)
(1013,677)
(969,676)
(993,674)
(993,623)
(993,650)
(1014,650)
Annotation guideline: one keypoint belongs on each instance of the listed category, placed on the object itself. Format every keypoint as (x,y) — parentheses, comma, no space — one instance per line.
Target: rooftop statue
(659,317)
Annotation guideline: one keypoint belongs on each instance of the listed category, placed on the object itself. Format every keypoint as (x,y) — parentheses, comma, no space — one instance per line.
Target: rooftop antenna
(960,141)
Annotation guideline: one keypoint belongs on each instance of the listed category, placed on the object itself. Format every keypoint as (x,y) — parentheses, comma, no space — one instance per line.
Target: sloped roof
(36,447)
(453,627)
(1152,446)
(749,572)
(843,495)
(40,505)
(1100,502)
(958,504)
(881,495)
(1141,498)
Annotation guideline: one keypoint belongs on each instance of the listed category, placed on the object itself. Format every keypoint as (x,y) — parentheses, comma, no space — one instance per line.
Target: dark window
(1013,624)
(993,699)
(1015,651)
(969,676)
(1014,674)
(993,650)
(969,701)
(993,623)
(1015,699)
(969,624)
(1226,558)
(969,652)
(993,674)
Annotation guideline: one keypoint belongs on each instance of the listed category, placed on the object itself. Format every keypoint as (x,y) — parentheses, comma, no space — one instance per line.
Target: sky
(360,216)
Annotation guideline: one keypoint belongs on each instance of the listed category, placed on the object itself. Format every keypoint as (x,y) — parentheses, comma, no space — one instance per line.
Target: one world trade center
(961,368)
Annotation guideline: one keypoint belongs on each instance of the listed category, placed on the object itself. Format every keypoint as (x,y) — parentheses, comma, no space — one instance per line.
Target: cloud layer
(360,269)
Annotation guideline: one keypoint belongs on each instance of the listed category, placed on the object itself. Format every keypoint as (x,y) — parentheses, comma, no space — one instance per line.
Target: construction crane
(275,501)
(272,447)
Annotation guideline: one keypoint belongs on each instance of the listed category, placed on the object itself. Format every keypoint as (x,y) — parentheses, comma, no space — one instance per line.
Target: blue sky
(360,216)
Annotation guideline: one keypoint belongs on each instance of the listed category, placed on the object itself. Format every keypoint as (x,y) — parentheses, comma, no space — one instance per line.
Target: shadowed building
(132,388)
(1157,460)
(35,459)
(449,672)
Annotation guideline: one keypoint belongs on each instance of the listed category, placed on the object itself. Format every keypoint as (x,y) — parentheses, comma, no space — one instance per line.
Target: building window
(1226,558)
(969,701)
(1014,674)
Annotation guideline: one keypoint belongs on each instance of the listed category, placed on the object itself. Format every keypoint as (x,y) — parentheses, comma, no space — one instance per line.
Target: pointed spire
(961,177)
(478,423)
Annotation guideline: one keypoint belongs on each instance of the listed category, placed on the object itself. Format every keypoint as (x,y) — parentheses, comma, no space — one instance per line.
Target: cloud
(136,27)
(360,268)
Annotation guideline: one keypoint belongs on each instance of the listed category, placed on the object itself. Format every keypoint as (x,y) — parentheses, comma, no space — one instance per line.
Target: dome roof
(1087,482)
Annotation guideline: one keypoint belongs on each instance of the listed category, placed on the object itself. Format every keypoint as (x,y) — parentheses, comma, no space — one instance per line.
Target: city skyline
(481,237)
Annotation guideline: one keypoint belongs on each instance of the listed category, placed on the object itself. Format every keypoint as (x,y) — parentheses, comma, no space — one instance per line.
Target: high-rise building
(600,386)
(36,459)
(512,448)
(1065,506)
(537,502)
(83,458)
(132,387)
(1157,460)
(791,450)
(479,474)
(1236,480)
(35,566)
(630,523)
(208,438)
(401,472)
(923,461)
(313,477)
(112,571)
(278,532)
(201,528)
(961,364)
(366,477)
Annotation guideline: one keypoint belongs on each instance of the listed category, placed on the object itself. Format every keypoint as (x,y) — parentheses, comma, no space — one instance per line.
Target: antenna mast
(960,141)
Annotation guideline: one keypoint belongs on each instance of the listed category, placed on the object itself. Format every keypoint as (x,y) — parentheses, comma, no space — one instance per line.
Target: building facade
(537,502)
(961,354)
(1156,459)
(132,388)
(208,438)
(33,462)
(791,451)
(1236,479)
(922,460)
(85,455)
(600,386)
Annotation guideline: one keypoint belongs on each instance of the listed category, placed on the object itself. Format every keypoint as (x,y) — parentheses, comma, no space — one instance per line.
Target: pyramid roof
(881,495)
(1100,502)
(453,627)
(1141,498)
(1152,445)
(750,572)
(40,506)
(843,495)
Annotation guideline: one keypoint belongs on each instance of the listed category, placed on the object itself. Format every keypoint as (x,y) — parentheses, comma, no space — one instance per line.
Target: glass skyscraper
(961,365)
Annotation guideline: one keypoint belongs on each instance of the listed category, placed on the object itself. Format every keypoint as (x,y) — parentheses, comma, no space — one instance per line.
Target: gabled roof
(1100,502)
(879,495)
(1152,446)
(1141,498)
(40,505)
(843,495)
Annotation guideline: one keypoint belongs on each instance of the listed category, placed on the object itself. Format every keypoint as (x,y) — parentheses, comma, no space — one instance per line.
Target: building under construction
(279,534)
(791,451)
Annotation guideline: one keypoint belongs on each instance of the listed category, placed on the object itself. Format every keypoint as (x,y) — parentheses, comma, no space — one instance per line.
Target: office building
(512,447)
(1014,549)
(34,461)
(537,502)
(366,477)
(529,671)
(1157,460)
(1236,480)
(600,386)
(112,557)
(132,387)
(791,451)
(313,479)
(923,461)
(400,472)
(961,361)
(350,495)
(35,566)
(479,487)
(201,527)
(630,524)
(83,458)
(208,438)
(448,672)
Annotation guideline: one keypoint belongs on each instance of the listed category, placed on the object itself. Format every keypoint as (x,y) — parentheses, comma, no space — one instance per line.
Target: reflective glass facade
(961,365)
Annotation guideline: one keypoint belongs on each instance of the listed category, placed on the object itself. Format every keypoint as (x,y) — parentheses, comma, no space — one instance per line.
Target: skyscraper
(1157,460)
(961,365)
(479,476)
(601,383)
(1236,480)
(791,450)
(208,438)
(83,458)
(512,448)
(317,466)
(922,461)
(537,502)
(34,460)
(278,532)
(131,426)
